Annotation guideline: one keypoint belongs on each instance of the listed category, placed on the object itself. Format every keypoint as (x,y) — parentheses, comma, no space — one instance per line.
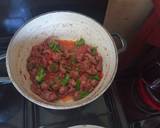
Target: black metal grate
(96,113)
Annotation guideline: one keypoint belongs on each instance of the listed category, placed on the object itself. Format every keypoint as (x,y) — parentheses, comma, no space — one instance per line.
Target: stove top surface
(96,113)
(18,112)
(133,110)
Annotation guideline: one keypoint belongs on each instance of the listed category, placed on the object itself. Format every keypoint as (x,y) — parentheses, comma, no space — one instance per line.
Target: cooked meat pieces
(59,68)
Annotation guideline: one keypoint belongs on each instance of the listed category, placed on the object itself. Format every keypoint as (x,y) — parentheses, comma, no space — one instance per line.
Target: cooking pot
(61,25)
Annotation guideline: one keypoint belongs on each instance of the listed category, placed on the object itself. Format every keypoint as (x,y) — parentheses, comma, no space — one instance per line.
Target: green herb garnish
(78,83)
(95,77)
(94,51)
(83,94)
(80,42)
(65,80)
(40,74)
(54,46)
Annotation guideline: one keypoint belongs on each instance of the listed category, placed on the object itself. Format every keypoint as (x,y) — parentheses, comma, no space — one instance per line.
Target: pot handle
(4,80)
(118,38)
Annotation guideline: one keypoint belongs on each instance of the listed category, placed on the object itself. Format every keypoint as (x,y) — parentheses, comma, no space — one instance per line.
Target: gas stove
(18,112)
(115,109)
(130,107)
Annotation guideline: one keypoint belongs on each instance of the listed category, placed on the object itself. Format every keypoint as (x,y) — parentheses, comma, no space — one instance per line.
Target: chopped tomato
(50,76)
(100,74)
(67,44)
(67,98)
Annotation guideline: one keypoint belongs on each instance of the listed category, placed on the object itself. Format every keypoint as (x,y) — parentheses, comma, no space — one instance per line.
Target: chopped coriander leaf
(95,77)
(78,83)
(65,80)
(94,51)
(40,75)
(80,42)
(54,46)
(83,94)
(54,67)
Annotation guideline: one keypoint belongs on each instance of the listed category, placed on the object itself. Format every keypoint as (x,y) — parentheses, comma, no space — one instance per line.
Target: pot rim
(60,107)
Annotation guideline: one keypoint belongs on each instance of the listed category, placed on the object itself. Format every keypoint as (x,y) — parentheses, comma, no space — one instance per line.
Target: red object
(148,33)
(56,69)
(145,96)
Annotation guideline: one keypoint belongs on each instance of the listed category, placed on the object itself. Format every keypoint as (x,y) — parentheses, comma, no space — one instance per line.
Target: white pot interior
(61,25)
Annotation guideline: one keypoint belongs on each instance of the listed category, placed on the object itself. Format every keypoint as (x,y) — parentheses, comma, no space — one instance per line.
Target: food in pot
(64,69)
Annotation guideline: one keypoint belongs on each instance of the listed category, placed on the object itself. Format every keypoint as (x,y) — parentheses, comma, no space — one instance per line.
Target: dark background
(14,13)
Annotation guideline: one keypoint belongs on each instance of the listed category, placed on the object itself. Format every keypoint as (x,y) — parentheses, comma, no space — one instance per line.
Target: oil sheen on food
(64,69)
